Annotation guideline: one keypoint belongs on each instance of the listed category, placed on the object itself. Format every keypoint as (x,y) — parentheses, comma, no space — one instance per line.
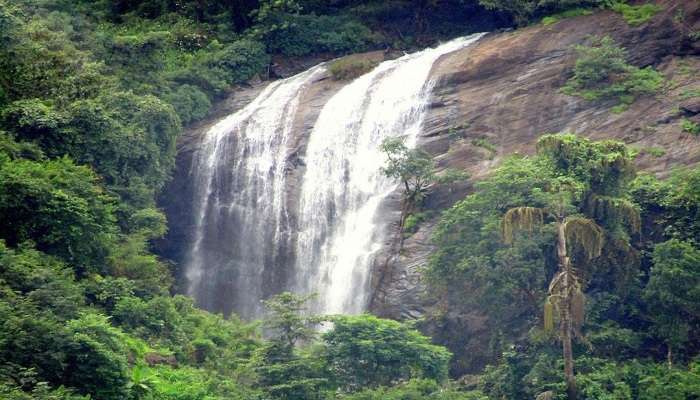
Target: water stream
(248,243)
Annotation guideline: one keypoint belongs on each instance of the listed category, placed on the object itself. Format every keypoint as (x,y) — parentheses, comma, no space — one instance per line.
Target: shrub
(96,358)
(484,143)
(655,151)
(524,11)
(690,94)
(190,103)
(410,224)
(241,60)
(350,68)
(416,389)
(60,207)
(601,72)
(40,122)
(366,351)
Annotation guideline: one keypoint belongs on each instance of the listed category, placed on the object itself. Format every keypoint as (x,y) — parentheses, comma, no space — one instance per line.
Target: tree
(605,169)
(365,352)
(673,292)
(565,289)
(413,167)
(283,371)
(287,320)
(416,171)
(524,11)
(60,207)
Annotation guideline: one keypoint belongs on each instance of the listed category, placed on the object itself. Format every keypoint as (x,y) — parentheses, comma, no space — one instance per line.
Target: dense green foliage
(366,352)
(524,11)
(640,311)
(357,353)
(93,96)
(636,15)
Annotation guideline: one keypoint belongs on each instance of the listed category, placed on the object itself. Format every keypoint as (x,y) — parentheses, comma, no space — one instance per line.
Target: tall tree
(673,293)
(589,180)
(284,371)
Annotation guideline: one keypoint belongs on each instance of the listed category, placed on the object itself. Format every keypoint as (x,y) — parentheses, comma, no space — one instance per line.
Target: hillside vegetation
(93,97)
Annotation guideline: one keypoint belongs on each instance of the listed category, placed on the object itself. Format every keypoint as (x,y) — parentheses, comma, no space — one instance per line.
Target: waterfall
(248,243)
(339,230)
(242,225)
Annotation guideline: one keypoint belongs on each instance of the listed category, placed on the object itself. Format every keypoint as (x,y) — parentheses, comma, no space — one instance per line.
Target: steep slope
(492,100)
(498,97)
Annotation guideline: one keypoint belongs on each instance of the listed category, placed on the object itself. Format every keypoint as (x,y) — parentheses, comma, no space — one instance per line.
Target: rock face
(491,100)
(497,97)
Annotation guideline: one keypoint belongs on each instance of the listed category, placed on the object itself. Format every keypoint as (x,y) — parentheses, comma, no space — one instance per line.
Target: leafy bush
(415,389)
(601,71)
(39,122)
(410,224)
(42,391)
(486,144)
(60,207)
(242,60)
(43,280)
(524,11)
(96,358)
(673,303)
(365,351)
(350,68)
(190,103)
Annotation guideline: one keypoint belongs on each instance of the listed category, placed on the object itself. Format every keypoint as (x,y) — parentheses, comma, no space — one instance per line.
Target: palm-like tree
(565,294)
(607,167)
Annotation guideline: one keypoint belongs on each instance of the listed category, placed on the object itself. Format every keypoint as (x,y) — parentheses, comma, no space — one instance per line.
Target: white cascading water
(244,237)
(241,217)
(343,187)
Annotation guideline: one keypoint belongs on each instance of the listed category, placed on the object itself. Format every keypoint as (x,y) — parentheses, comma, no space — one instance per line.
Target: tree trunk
(669,356)
(566,324)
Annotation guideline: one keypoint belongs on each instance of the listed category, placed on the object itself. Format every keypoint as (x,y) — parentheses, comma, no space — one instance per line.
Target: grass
(655,151)
(689,126)
(690,94)
(554,18)
(684,68)
(350,67)
(636,15)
